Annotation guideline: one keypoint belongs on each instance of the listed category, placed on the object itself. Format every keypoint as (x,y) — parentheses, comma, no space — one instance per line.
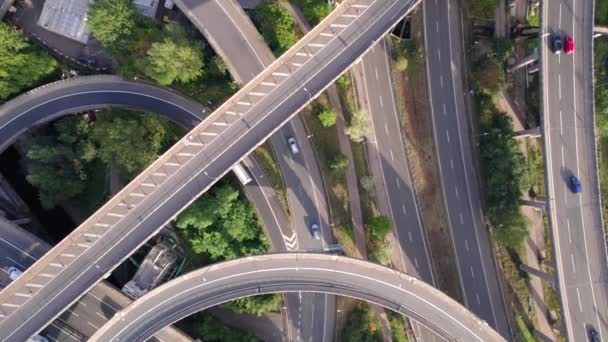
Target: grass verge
(267,160)
(536,168)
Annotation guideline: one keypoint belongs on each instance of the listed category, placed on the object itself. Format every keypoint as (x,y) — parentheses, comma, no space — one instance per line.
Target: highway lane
(21,249)
(293,272)
(194,164)
(569,139)
(397,187)
(461,192)
(233,36)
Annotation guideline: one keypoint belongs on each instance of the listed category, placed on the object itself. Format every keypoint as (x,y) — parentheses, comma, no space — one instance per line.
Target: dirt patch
(418,128)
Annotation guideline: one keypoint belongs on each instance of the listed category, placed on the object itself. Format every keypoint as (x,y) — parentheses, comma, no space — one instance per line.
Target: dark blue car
(575,185)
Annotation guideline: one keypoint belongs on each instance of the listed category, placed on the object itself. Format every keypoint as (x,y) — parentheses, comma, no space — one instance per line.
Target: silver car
(316,232)
(291,141)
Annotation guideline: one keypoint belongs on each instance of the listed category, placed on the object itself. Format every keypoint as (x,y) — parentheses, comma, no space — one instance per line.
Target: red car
(568,45)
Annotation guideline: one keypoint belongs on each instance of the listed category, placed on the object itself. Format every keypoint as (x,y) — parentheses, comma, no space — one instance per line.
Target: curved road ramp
(289,272)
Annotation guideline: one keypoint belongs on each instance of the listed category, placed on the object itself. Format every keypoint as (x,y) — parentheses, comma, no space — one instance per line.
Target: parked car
(568,45)
(14,273)
(556,43)
(315,231)
(291,141)
(575,185)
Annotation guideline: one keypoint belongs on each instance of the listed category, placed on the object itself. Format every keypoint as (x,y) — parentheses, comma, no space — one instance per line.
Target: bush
(401,63)
(362,325)
(379,227)
(276,26)
(257,305)
(359,126)
(339,165)
(380,252)
(397,327)
(328,117)
(114,23)
(315,10)
(490,75)
(22,65)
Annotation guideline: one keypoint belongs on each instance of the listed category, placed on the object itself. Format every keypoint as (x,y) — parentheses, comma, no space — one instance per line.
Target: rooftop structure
(157,264)
(66,18)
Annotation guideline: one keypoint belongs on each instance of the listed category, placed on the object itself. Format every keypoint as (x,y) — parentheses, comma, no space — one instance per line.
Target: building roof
(66,18)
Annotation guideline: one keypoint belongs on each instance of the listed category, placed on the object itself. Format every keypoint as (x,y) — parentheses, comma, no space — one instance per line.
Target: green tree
(315,10)
(359,126)
(222,225)
(362,325)
(276,26)
(114,23)
(379,227)
(131,142)
(59,160)
(503,49)
(504,173)
(490,75)
(328,117)
(397,327)
(257,305)
(22,65)
(339,165)
(176,58)
(210,329)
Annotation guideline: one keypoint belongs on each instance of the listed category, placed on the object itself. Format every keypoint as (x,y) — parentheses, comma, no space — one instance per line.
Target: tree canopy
(504,174)
(315,10)
(328,117)
(132,142)
(222,225)
(359,126)
(339,165)
(59,160)
(362,325)
(174,59)
(114,22)
(22,65)
(276,26)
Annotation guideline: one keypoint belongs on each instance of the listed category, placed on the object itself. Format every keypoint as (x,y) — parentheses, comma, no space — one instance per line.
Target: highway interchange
(477,271)
(121,212)
(569,142)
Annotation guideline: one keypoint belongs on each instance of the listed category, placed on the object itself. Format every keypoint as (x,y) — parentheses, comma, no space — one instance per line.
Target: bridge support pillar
(529,133)
(540,274)
(526,61)
(534,204)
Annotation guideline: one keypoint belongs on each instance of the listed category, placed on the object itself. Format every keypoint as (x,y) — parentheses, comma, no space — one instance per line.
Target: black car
(557,44)
(593,335)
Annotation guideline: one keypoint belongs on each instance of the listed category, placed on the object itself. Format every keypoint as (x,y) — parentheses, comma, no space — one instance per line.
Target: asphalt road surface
(20,249)
(569,136)
(477,270)
(235,38)
(293,272)
(193,165)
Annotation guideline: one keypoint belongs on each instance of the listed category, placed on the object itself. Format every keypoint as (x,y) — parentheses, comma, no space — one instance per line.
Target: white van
(241,172)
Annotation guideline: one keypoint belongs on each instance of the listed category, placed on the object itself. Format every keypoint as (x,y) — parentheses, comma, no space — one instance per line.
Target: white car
(14,273)
(291,141)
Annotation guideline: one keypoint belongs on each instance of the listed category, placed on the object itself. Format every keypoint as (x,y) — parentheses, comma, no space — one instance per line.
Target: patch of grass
(346,238)
(534,17)
(398,328)
(517,281)
(536,166)
(325,142)
(268,162)
(550,294)
(523,330)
